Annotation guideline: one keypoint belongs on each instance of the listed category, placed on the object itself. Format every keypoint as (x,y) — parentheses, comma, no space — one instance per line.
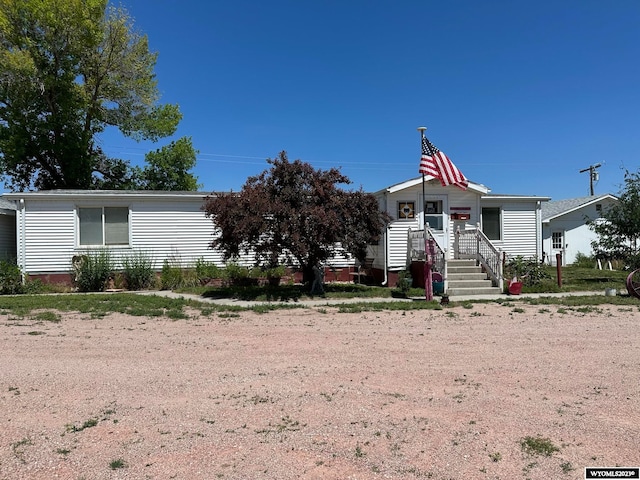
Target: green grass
(580,279)
(97,306)
(538,446)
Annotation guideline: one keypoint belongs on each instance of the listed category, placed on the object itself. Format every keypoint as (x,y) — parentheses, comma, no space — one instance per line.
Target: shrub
(10,278)
(239,275)
(174,276)
(528,270)
(206,271)
(92,270)
(171,276)
(274,272)
(137,270)
(584,261)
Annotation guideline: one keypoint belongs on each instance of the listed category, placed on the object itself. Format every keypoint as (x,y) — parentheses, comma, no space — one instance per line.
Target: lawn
(288,296)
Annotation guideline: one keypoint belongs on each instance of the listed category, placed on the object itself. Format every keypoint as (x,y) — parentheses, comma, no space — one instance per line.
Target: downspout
(539,229)
(21,240)
(386,250)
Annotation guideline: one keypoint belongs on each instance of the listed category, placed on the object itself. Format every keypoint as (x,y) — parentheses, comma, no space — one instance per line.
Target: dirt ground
(488,392)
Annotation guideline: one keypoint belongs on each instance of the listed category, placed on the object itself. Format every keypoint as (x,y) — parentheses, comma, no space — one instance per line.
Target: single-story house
(564,227)
(53,227)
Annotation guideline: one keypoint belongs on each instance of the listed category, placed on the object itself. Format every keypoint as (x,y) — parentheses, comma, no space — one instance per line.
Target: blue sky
(520,95)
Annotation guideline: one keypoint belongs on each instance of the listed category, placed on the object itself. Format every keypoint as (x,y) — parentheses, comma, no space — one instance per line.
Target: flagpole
(428,286)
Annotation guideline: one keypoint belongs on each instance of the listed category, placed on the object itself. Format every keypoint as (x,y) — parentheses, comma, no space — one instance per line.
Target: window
(556,240)
(433,214)
(599,209)
(406,210)
(103,225)
(491,223)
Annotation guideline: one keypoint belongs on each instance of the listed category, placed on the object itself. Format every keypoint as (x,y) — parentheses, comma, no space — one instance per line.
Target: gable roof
(551,210)
(474,187)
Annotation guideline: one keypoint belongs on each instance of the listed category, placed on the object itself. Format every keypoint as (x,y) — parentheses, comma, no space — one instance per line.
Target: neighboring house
(511,222)
(564,226)
(7,230)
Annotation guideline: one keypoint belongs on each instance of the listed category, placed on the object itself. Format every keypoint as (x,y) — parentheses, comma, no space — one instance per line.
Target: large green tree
(168,167)
(619,229)
(68,70)
(295,213)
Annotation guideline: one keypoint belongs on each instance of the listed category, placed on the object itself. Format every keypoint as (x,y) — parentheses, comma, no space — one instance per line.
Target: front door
(557,246)
(435,214)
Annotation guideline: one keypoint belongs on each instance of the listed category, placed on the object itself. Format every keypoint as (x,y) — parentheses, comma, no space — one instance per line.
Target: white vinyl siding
(174,229)
(519,230)
(49,236)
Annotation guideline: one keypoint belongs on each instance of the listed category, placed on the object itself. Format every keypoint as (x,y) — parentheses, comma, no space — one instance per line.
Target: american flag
(435,163)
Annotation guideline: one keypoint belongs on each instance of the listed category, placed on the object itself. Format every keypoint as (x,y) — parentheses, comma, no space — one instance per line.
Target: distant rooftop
(560,207)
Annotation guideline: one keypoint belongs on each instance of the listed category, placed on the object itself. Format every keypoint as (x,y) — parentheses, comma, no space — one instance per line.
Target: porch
(476,266)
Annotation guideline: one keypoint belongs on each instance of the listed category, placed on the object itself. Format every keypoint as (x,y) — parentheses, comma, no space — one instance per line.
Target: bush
(137,270)
(584,261)
(10,278)
(528,270)
(274,272)
(171,276)
(174,276)
(239,275)
(92,270)
(206,271)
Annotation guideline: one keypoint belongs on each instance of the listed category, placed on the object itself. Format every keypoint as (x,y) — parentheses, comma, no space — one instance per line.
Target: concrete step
(462,263)
(470,283)
(453,292)
(458,269)
(454,277)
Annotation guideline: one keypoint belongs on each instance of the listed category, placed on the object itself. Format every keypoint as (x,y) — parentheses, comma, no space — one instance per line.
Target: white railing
(474,244)
(416,249)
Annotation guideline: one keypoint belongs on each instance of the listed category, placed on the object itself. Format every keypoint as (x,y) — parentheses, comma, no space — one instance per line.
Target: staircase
(466,278)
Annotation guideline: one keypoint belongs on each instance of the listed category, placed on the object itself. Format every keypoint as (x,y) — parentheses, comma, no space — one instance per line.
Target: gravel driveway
(493,391)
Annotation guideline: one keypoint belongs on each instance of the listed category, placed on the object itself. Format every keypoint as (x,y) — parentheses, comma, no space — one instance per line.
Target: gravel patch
(493,391)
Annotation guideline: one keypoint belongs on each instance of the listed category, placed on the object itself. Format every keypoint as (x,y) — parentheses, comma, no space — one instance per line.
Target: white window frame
(437,204)
(103,243)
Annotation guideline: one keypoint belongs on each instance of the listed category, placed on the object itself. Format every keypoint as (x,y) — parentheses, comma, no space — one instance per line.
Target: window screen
(90,220)
(491,223)
(103,226)
(116,226)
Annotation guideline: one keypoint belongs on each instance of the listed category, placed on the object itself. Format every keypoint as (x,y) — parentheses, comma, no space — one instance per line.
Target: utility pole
(593,175)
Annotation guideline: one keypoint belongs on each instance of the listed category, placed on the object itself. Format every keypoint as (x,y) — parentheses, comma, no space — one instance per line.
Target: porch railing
(417,253)
(474,244)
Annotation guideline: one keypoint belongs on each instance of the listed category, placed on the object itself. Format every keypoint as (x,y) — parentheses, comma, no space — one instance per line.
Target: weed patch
(538,446)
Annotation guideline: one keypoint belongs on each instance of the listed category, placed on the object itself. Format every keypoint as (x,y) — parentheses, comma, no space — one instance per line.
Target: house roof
(551,210)
(475,187)
(7,207)
(105,193)
(524,198)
